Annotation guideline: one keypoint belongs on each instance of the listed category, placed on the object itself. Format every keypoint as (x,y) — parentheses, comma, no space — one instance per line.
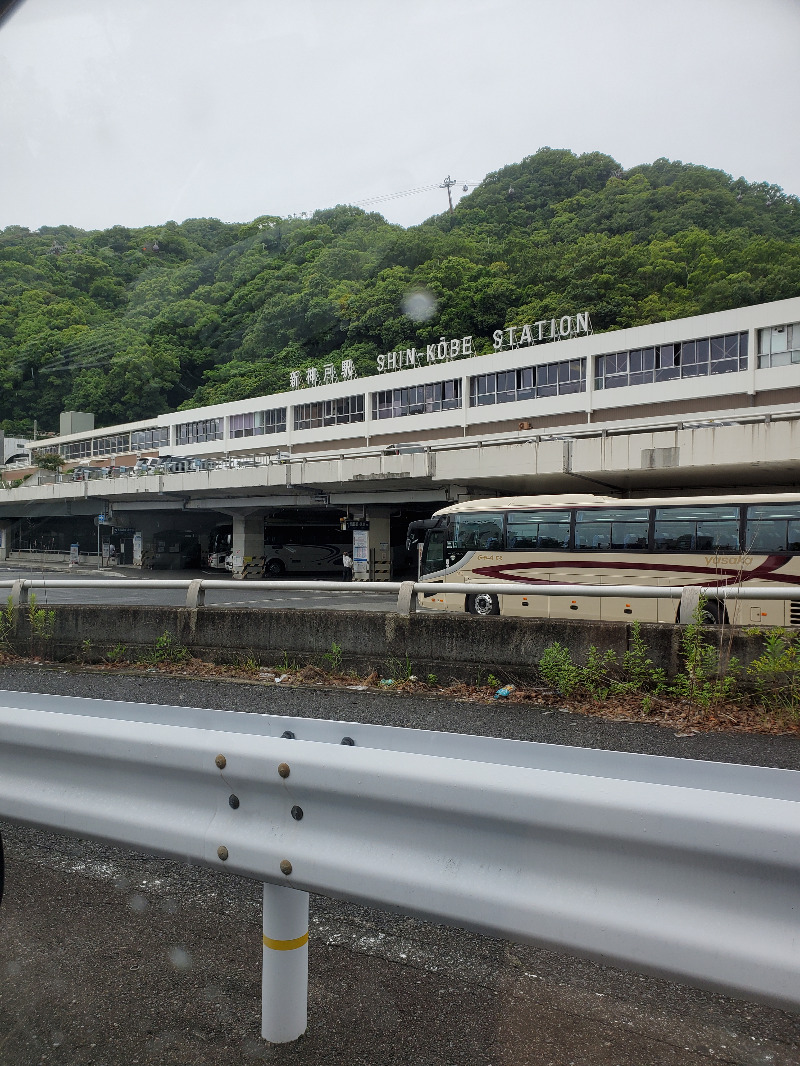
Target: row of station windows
(670,362)
(724,354)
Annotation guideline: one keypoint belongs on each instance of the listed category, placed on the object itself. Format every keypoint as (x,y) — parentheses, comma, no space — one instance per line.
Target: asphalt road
(115,958)
(241,596)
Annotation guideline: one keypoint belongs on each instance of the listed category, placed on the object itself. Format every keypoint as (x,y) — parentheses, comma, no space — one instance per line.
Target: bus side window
(773,528)
(474,532)
(538,530)
(701,528)
(617,529)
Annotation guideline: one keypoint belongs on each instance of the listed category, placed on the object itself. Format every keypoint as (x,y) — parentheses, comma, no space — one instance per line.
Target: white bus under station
(701,405)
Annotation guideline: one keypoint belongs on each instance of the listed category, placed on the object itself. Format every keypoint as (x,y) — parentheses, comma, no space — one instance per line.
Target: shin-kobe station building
(540,377)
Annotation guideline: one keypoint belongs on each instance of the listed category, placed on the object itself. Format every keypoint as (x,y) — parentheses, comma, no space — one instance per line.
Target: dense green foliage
(131,323)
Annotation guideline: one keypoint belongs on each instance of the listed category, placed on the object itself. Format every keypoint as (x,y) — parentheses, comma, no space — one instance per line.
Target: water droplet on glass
(138,903)
(180,959)
(419,305)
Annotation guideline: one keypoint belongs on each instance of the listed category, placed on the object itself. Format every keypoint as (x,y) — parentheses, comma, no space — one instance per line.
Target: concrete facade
(725,385)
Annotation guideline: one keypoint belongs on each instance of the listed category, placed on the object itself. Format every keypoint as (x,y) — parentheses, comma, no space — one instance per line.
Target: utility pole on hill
(448,184)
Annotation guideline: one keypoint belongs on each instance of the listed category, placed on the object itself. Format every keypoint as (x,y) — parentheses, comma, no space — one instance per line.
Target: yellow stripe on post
(285,945)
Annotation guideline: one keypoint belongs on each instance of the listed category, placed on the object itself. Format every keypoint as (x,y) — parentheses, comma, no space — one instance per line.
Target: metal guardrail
(679,868)
(685,596)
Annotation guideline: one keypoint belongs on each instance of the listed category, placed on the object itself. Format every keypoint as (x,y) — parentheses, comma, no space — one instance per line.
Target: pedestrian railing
(685,597)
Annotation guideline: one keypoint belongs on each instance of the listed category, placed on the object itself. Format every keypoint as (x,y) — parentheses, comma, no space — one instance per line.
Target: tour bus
(295,550)
(717,541)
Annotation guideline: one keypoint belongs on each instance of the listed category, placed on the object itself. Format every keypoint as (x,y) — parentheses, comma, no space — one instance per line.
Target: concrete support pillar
(371,548)
(248,547)
(5,536)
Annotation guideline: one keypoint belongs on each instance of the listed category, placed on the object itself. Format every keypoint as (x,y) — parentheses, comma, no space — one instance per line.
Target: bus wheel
(274,568)
(714,613)
(483,603)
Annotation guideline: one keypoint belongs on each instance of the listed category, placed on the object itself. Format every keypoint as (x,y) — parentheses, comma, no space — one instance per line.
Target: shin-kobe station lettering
(444,350)
(435,353)
(546,329)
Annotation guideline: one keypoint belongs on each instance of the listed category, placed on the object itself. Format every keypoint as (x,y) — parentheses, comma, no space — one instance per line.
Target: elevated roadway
(734,449)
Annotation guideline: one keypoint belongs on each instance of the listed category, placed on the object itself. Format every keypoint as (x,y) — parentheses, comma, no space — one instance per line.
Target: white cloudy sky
(139,111)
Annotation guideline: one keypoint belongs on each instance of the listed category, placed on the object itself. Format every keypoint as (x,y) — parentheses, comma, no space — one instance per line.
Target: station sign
(440,352)
(349,524)
(447,349)
(545,329)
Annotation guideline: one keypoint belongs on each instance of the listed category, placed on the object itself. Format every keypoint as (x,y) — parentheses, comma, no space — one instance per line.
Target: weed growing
(42,621)
(333,658)
(775,674)
(166,650)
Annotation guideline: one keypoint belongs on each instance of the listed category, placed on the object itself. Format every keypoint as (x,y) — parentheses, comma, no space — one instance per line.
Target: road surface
(240,596)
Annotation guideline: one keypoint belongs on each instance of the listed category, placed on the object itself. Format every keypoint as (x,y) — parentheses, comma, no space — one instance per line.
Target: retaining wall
(450,645)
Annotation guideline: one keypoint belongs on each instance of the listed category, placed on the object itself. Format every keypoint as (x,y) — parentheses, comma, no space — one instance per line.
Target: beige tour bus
(717,541)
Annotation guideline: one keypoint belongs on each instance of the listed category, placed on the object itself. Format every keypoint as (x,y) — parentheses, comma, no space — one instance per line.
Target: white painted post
(690,598)
(284,975)
(406,598)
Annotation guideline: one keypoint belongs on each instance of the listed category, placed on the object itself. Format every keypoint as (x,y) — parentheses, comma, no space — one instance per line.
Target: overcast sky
(139,111)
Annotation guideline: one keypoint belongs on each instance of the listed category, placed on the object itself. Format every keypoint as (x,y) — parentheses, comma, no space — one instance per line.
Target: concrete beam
(354,499)
(250,503)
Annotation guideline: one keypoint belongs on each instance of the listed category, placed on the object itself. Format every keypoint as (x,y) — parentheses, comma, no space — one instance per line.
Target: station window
(417,399)
(256,423)
(207,429)
(338,412)
(79,449)
(779,345)
(528,383)
(112,445)
(668,362)
(149,439)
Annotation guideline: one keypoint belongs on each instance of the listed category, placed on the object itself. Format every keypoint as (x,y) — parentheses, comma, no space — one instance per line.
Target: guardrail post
(19,594)
(690,598)
(406,598)
(284,976)
(195,594)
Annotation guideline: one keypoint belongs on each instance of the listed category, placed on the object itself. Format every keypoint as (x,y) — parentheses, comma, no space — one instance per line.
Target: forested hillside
(129,323)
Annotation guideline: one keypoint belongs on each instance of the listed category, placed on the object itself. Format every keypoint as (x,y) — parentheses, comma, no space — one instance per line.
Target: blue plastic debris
(506,690)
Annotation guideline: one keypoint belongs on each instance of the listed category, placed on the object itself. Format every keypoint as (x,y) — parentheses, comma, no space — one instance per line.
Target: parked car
(146,464)
(85,473)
